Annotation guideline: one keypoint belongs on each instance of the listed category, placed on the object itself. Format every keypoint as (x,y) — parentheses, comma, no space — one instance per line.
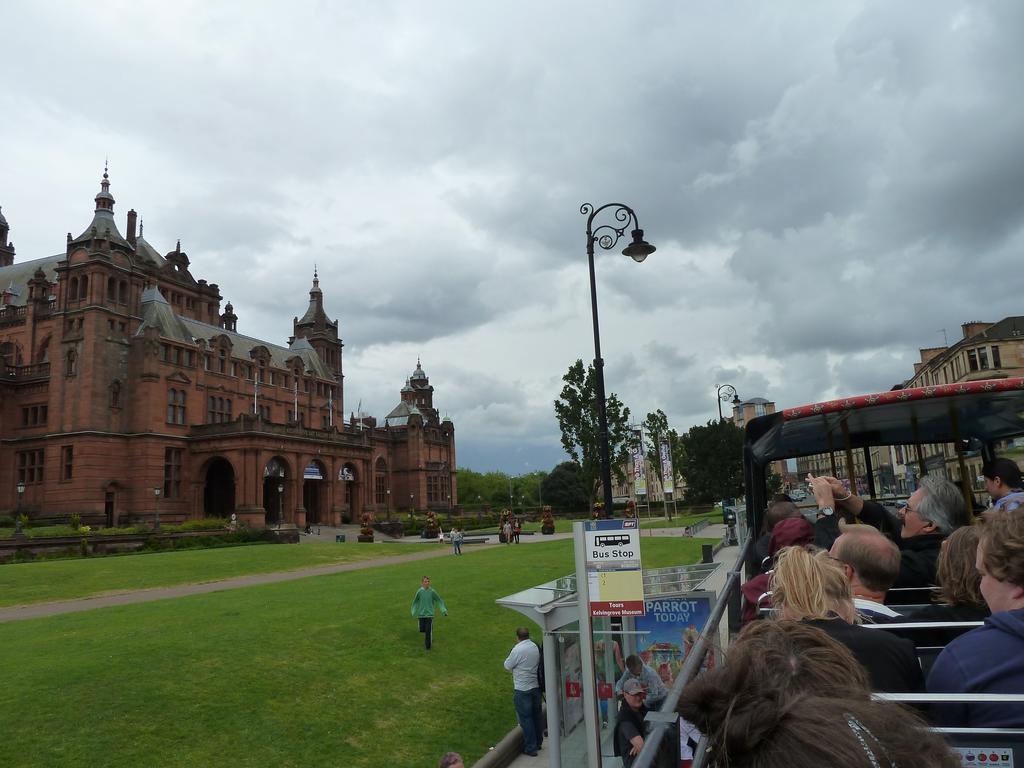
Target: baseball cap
(633,686)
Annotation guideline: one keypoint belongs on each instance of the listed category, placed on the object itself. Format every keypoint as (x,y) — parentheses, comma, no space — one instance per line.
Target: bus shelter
(676,601)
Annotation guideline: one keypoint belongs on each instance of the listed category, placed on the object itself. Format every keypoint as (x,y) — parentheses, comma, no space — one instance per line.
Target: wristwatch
(826,511)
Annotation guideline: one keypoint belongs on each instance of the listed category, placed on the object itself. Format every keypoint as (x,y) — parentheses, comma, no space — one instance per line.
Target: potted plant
(505,517)
(598,510)
(366,531)
(547,521)
(430,526)
(630,509)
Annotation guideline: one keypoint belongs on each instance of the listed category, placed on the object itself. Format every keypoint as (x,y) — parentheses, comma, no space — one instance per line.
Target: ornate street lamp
(389,504)
(607,236)
(156,497)
(280,504)
(727,394)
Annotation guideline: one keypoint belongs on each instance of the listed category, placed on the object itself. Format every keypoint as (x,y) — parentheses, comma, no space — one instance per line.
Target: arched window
(70,363)
(123,292)
(73,288)
(83,287)
(115,394)
(223,361)
(111,290)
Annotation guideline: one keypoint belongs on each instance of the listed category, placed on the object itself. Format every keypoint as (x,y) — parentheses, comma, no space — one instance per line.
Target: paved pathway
(322,533)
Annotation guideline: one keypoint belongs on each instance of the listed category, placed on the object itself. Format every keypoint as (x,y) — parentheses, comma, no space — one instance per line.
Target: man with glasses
(930,515)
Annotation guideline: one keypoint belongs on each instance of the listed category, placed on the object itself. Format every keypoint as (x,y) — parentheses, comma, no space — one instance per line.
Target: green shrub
(205,524)
(6,521)
(75,521)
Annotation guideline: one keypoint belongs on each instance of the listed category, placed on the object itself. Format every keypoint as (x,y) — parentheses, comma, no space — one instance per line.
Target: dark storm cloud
(828,185)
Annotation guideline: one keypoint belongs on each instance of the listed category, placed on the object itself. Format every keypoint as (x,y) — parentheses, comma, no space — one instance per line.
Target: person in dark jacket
(932,512)
(811,587)
(629,726)
(781,508)
(989,659)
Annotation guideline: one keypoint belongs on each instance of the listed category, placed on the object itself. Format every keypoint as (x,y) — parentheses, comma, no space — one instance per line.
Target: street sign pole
(590,719)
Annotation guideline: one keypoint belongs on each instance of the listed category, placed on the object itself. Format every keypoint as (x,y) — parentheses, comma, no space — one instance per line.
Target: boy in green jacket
(423,609)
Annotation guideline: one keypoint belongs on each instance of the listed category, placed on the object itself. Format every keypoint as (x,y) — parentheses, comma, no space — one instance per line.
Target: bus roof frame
(986,410)
(979,412)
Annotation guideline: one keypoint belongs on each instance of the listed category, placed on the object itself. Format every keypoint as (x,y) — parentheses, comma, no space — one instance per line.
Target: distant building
(746,410)
(124,390)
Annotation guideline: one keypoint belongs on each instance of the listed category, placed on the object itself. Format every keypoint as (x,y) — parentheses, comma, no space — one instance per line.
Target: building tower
(6,249)
(322,334)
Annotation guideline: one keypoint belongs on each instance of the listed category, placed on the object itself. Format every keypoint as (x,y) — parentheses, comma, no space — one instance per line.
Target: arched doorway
(381,488)
(219,490)
(350,480)
(274,487)
(314,477)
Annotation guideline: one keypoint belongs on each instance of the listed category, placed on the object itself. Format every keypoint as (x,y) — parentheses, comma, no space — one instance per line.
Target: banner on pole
(639,475)
(667,476)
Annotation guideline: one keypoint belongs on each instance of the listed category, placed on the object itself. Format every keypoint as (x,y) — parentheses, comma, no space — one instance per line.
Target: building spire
(105,200)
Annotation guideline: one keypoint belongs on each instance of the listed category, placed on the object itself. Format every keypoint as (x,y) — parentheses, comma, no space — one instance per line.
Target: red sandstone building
(125,391)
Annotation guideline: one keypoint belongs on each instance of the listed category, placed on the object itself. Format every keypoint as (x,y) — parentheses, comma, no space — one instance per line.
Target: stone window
(172,473)
(30,467)
(115,394)
(175,406)
(67,461)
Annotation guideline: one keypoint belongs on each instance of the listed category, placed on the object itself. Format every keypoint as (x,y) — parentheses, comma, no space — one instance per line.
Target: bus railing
(663,721)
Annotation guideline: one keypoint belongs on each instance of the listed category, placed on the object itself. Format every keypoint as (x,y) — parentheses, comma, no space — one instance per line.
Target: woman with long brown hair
(958,596)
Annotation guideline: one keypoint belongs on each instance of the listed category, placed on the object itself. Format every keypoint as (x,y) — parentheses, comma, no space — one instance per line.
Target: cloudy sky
(829,185)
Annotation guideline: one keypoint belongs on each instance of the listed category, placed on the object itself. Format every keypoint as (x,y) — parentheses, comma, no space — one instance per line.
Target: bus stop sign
(614,575)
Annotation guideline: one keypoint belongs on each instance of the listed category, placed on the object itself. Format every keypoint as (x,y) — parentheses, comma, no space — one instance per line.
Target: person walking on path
(457,540)
(506,531)
(522,662)
(517,528)
(423,609)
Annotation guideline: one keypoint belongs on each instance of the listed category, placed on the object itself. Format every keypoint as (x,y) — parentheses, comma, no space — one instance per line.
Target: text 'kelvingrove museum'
(124,388)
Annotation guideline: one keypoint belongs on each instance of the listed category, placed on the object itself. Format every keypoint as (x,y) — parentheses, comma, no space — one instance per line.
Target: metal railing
(666,717)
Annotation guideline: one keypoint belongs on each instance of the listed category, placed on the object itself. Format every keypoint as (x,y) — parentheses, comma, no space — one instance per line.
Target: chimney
(974,328)
(132,217)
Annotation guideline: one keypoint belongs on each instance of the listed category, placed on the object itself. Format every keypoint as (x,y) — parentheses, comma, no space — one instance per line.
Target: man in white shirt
(523,662)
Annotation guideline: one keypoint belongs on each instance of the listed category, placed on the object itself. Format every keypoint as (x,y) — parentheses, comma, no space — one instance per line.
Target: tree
(563,488)
(712,462)
(576,409)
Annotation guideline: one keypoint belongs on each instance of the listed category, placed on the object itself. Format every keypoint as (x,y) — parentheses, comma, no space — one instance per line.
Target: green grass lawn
(24,583)
(325,671)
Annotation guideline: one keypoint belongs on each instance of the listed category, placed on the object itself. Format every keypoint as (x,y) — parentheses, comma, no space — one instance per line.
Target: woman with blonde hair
(808,585)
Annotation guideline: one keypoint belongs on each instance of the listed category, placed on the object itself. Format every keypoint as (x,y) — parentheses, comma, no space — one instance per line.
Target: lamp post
(156,497)
(280,503)
(607,236)
(411,504)
(388,492)
(724,393)
(17,517)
